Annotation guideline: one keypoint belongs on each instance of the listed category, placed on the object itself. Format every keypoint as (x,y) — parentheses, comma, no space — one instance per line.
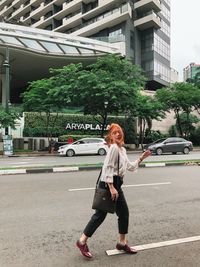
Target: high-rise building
(140,28)
(174,76)
(190,71)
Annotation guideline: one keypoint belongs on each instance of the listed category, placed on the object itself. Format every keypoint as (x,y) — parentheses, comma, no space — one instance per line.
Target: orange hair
(114,127)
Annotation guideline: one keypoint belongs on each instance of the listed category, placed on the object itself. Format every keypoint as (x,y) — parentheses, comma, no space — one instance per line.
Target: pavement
(61,168)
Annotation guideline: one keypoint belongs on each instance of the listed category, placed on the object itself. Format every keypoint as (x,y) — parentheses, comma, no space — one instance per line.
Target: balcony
(39,22)
(147,5)
(69,22)
(18,12)
(108,20)
(148,21)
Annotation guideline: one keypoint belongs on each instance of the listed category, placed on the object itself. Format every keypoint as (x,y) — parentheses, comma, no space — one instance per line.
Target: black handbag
(102,197)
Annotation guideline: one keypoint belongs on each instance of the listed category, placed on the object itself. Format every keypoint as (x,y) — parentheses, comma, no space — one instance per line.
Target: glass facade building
(190,71)
(140,29)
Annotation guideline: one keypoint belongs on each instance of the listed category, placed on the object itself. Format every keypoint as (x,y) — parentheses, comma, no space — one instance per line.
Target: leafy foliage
(9,119)
(180,97)
(187,122)
(194,136)
(37,98)
(148,108)
(34,125)
(110,80)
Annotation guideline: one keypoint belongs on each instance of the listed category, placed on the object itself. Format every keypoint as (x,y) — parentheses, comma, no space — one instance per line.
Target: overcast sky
(185,34)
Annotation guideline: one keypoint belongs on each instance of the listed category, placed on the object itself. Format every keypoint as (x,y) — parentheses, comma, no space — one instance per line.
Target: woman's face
(116,135)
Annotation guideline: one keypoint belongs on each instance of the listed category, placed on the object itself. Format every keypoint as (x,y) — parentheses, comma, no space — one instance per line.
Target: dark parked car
(170,145)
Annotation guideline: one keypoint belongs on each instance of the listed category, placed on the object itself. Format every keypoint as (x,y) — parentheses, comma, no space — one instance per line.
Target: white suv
(84,146)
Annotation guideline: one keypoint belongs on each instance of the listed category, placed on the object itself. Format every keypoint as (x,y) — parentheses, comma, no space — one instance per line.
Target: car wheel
(70,153)
(159,151)
(101,152)
(186,150)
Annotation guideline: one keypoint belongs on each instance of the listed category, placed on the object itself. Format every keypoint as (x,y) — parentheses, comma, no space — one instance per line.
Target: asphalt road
(58,160)
(41,217)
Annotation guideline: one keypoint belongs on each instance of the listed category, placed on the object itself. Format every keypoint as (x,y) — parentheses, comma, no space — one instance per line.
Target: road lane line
(131,185)
(157,245)
(159,164)
(20,171)
(81,189)
(65,169)
(152,184)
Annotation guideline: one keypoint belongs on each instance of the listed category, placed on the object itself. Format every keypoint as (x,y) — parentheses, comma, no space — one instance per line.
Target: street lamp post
(6,65)
(105,117)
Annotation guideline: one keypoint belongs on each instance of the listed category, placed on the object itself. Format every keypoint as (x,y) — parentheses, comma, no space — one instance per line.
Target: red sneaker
(84,249)
(126,248)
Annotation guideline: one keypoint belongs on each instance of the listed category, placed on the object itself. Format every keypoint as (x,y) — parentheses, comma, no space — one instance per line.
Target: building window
(46,2)
(161,71)
(132,40)
(148,66)
(165,28)
(115,32)
(161,47)
(48,14)
(49,28)
(90,6)
(27,3)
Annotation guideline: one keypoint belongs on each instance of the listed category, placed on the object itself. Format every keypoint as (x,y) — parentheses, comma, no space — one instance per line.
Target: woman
(116,163)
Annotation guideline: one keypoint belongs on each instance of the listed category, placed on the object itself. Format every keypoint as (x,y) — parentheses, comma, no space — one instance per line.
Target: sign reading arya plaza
(85,126)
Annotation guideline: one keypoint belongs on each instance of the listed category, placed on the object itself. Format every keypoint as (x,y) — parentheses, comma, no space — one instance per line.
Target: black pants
(121,210)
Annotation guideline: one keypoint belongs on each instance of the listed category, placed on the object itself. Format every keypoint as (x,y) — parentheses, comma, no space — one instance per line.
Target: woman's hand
(144,155)
(113,192)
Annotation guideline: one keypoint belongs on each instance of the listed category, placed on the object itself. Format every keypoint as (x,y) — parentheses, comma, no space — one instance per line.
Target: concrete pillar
(3,86)
(3,89)
(1,62)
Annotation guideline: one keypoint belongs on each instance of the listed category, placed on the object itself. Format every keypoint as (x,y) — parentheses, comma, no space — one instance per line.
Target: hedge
(34,125)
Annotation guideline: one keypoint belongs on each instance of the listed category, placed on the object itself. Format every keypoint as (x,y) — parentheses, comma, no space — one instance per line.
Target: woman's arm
(113,191)
(110,163)
(109,170)
(132,166)
(144,155)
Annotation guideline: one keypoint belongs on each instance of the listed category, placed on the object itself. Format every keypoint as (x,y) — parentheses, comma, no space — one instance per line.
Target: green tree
(37,99)
(9,119)
(179,97)
(108,86)
(187,123)
(148,108)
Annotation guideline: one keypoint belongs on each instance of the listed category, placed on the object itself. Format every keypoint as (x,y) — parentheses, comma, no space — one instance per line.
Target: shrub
(151,136)
(173,131)
(195,137)
(64,138)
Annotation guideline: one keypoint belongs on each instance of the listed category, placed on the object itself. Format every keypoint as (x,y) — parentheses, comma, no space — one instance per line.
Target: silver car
(170,145)
(84,146)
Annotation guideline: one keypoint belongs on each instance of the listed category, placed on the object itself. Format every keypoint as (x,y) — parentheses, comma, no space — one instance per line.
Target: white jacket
(110,166)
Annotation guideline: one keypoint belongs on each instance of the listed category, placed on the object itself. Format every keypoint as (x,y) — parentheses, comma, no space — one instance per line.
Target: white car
(84,146)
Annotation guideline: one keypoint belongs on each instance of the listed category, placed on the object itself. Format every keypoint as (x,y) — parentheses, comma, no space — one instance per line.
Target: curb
(89,168)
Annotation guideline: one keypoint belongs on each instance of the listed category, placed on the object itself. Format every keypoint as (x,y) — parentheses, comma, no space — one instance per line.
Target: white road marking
(155,164)
(13,171)
(152,184)
(65,169)
(131,185)
(22,162)
(81,189)
(157,245)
